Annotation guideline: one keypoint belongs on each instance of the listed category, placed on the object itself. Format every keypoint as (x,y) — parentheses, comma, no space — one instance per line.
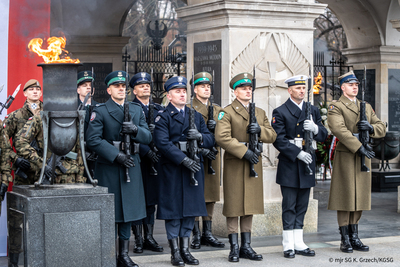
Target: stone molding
(370,55)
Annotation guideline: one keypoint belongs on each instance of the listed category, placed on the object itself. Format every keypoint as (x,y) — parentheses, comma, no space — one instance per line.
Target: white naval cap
(296,80)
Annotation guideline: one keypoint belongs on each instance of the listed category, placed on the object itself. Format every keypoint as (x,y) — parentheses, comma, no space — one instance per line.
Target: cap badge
(143,74)
(85,73)
(245,75)
(180,79)
(119,74)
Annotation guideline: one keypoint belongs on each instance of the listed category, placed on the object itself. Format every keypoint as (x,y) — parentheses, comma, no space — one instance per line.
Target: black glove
(193,134)
(365,152)
(152,127)
(129,128)
(365,126)
(125,160)
(253,128)
(22,163)
(49,173)
(192,165)
(251,156)
(211,125)
(153,156)
(208,153)
(3,190)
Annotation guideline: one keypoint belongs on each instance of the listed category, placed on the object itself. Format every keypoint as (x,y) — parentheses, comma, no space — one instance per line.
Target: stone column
(277,38)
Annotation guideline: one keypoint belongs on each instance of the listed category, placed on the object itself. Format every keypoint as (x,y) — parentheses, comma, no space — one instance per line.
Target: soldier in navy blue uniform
(104,137)
(179,201)
(289,122)
(140,83)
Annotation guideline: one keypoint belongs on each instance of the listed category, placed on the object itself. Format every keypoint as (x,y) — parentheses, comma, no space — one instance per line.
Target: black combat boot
(185,253)
(207,238)
(345,244)
(123,259)
(246,251)
(354,240)
(234,253)
(196,236)
(176,259)
(149,242)
(137,232)
(13,259)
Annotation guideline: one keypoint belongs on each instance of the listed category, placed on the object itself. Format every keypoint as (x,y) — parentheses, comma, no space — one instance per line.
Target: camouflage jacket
(15,121)
(5,166)
(33,130)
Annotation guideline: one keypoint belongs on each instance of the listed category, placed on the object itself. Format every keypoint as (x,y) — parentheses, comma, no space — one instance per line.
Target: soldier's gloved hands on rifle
(309,125)
(153,156)
(254,128)
(251,156)
(363,151)
(211,124)
(194,134)
(365,126)
(152,127)
(192,165)
(208,153)
(22,163)
(305,157)
(125,160)
(3,190)
(48,172)
(129,128)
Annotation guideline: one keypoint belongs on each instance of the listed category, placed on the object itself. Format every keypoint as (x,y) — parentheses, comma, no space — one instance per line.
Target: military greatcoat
(287,121)
(178,199)
(211,182)
(350,188)
(150,182)
(104,127)
(243,195)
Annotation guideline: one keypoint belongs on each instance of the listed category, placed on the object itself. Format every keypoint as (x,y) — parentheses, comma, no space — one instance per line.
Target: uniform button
(297,124)
(237,107)
(298,135)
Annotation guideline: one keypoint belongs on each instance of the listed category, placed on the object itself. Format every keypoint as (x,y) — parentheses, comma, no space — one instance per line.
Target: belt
(299,142)
(182,145)
(121,145)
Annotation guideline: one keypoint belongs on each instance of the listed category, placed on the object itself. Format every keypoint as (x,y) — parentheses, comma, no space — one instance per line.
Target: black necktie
(183,113)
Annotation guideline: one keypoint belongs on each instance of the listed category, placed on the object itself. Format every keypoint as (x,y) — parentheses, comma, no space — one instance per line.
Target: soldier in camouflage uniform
(5,166)
(14,123)
(33,130)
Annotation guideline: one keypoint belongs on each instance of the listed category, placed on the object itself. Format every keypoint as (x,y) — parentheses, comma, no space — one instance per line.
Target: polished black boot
(354,240)
(13,259)
(207,238)
(123,259)
(345,244)
(234,253)
(246,251)
(196,236)
(137,232)
(149,242)
(176,259)
(185,253)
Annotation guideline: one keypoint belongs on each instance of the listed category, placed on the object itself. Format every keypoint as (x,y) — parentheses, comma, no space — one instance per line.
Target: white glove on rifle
(305,157)
(309,125)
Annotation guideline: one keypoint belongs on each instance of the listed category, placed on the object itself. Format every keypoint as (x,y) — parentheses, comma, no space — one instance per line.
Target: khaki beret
(30,83)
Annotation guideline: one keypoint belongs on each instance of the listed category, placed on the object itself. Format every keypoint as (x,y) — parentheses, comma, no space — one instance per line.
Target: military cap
(242,79)
(118,76)
(348,78)
(202,78)
(85,76)
(296,80)
(175,82)
(139,78)
(31,83)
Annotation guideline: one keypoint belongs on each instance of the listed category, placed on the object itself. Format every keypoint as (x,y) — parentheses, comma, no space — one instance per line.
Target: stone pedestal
(385,181)
(398,199)
(62,225)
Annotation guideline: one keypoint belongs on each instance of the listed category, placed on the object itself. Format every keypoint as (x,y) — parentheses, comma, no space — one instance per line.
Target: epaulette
(161,110)
(215,104)
(99,104)
(137,104)
(227,105)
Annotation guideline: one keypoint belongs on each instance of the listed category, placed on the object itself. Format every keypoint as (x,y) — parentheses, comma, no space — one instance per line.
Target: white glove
(305,157)
(309,125)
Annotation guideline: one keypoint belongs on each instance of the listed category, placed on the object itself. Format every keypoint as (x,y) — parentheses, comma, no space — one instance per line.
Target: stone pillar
(277,38)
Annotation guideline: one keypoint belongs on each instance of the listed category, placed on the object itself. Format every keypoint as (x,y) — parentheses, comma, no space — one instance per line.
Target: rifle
(150,121)
(20,172)
(55,161)
(308,135)
(211,118)
(10,99)
(192,148)
(254,144)
(127,118)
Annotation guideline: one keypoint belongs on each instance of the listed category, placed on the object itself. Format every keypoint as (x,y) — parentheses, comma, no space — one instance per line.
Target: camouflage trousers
(69,179)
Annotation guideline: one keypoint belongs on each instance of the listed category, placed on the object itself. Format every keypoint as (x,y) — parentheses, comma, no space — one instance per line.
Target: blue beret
(175,82)
(296,80)
(348,78)
(139,78)
(114,77)
(85,76)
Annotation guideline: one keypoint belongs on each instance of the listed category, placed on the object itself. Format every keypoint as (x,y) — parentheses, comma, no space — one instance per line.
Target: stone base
(385,181)
(62,225)
(398,199)
(269,223)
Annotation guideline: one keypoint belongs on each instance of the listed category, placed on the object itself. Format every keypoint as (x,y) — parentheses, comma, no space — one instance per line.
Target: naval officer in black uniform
(289,122)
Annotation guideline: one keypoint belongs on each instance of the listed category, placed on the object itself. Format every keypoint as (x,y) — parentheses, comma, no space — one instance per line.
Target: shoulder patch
(30,118)
(221,115)
(331,107)
(6,117)
(93,116)
(157,119)
(273,120)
